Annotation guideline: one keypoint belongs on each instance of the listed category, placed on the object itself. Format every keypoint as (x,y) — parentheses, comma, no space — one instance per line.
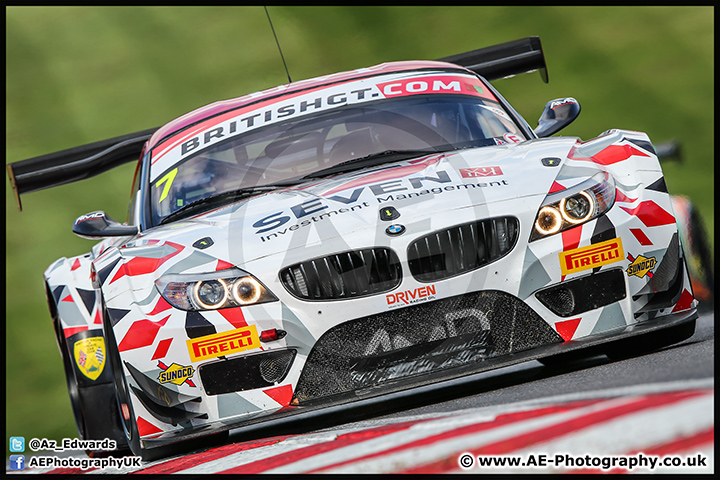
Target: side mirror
(557,115)
(98,225)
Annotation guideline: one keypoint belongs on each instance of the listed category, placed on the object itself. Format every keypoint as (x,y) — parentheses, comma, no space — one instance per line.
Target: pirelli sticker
(592,256)
(225,343)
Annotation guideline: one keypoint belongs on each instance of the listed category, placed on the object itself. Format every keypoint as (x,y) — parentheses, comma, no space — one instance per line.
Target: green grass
(80,74)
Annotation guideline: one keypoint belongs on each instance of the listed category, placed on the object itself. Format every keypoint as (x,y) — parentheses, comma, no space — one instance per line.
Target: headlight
(574,206)
(210,291)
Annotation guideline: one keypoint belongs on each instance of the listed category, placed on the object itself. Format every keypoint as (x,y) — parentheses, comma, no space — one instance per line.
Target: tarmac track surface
(576,418)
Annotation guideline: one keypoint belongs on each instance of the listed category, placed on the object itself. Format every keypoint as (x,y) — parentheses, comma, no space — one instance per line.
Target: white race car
(352,235)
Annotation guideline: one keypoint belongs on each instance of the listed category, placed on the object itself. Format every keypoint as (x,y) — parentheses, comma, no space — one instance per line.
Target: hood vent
(456,250)
(351,274)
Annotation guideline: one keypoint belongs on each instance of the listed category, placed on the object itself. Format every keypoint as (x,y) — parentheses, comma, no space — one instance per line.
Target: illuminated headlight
(210,291)
(574,206)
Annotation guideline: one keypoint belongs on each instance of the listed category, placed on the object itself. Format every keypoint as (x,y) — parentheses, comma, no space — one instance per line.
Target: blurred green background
(81,74)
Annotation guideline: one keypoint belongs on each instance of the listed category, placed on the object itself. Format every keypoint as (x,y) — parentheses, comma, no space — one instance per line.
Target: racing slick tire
(649,342)
(94,407)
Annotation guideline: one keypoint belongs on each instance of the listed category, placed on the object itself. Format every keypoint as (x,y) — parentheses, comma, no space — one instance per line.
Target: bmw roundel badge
(395,229)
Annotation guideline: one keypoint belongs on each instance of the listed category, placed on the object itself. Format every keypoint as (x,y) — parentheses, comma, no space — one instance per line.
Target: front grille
(350,274)
(461,331)
(246,373)
(450,252)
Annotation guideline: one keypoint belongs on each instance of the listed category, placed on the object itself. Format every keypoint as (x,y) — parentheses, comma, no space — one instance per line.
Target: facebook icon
(17,462)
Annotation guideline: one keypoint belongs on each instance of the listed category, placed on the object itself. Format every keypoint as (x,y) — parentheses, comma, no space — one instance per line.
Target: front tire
(93,404)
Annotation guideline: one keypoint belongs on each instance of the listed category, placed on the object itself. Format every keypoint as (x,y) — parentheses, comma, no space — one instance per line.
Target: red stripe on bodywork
(621,197)
(281,395)
(556,187)
(223,265)
(162,348)
(616,153)
(651,214)
(567,328)
(685,301)
(160,306)
(571,240)
(641,237)
(68,332)
(234,316)
(146,428)
(75,265)
(145,265)
(141,334)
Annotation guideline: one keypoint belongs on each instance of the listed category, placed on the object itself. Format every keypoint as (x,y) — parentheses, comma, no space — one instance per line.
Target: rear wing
(75,164)
(67,166)
(504,60)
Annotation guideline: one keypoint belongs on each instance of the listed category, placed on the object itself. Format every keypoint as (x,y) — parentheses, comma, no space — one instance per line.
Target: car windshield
(288,152)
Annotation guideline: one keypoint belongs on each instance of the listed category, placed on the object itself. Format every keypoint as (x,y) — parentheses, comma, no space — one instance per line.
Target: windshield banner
(243,120)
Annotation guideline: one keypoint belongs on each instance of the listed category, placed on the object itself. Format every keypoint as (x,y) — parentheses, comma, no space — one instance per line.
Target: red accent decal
(234,316)
(75,265)
(616,153)
(160,306)
(651,214)
(389,174)
(556,187)
(146,428)
(189,382)
(685,301)
(144,265)
(571,240)
(98,318)
(68,332)
(641,237)
(567,328)
(621,197)
(141,334)
(67,299)
(281,395)
(223,265)
(162,350)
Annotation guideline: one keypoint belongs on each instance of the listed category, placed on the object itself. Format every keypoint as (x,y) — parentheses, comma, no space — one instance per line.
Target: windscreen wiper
(372,160)
(225,197)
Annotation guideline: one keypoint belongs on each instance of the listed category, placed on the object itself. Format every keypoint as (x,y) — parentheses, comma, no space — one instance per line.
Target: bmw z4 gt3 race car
(352,235)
